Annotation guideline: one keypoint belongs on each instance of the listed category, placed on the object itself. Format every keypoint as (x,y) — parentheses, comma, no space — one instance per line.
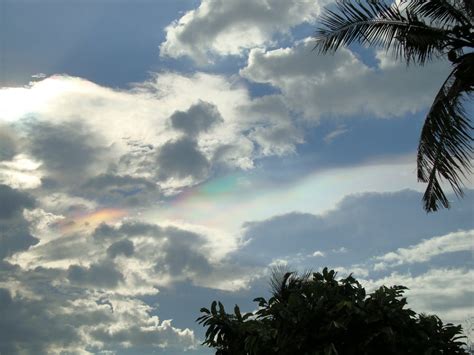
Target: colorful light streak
(89,221)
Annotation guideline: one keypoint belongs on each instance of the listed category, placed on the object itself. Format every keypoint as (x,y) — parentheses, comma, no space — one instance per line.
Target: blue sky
(158,155)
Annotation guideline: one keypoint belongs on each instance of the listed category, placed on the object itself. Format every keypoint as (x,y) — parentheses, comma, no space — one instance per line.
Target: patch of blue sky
(112,43)
(362,139)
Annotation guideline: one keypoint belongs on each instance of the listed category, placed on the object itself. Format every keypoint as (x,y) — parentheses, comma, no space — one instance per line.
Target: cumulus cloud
(342,84)
(66,322)
(272,126)
(84,135)
(96,275)
(220,27)
(133,258)
(68,150)
(123,247)
(116,190)
(88,284)
(30,333)
(13,202)
(14,229)
(8,143)
(182,159)
(21,172)
(198,118)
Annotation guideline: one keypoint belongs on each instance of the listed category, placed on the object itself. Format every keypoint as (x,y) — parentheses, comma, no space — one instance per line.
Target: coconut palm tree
(418,31)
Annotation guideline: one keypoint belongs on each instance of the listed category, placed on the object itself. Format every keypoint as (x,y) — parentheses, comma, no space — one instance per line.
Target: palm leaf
(441,12)
(445,149)
(382,25)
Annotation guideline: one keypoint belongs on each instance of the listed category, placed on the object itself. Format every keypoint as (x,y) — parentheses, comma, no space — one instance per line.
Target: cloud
(8,143)
(68,150)
(362,226)
(103,275)
(182,159)
(445,292)
(68,322)
(14,229)
(122,247)
(129,229)
(272,126)
(13,202)
(21,172)
(134,258)
(198,118)
(182,254)
(120,190)
(428,249)
(339,131)
(342,84)
(220,28)
(83,134)
(24,329)
(85,288)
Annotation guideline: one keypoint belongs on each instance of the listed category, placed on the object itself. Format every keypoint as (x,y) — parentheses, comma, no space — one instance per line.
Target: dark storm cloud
(182,159)
(361,226)
(14,237)
(122,247)
(120,190)
(66,149)
(14,229)
(13,202)
(198,118)
(97,275)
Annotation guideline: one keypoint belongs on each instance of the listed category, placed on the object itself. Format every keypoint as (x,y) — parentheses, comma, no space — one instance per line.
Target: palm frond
(441,12)
(382,25)
(445,149)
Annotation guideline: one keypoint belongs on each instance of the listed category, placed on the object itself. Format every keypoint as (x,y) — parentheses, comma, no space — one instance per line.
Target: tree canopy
(316,313)
(419,31)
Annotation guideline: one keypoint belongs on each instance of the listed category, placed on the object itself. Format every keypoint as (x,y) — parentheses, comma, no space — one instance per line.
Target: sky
(158,155)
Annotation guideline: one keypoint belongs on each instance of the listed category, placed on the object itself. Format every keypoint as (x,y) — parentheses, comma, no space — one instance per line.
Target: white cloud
(154,255)
(427,249)
(342,84)
(121,133)
(444,292)
(358,271)
(271,125)
(73,321)
(229,27)
(20,172)
(339,131)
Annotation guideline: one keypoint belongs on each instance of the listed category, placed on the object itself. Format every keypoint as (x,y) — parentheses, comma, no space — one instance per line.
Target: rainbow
(89,221)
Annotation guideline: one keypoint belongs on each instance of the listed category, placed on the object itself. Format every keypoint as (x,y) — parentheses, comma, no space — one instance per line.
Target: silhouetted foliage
(419,31)
(317,314)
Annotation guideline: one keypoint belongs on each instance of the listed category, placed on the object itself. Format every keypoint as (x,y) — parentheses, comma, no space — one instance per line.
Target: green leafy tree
(317,314)
(418,31)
